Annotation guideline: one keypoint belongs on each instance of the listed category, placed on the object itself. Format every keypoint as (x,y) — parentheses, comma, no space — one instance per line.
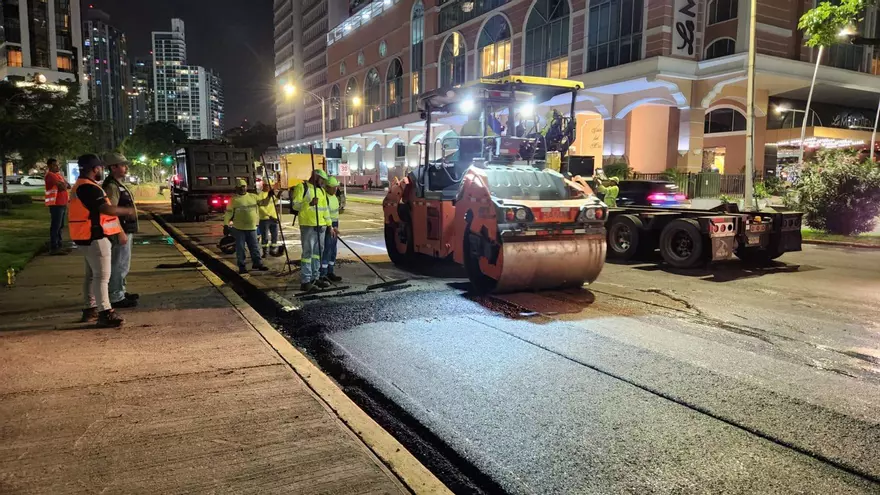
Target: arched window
(373,97)
(334,108)
(351,107)
(452,61)
(724,120)
(722,10)
(546,40)
(720,48)
(494,47)
(417,52)
(394,88)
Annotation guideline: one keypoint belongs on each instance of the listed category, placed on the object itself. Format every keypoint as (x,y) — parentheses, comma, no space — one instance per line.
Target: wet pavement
(730,379)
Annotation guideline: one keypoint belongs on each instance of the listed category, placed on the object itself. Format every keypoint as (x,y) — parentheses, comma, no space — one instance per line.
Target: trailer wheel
(681,243)
(624,235)
(399,242)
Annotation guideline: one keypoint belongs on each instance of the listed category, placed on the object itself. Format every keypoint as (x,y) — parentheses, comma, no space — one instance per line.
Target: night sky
(233,37)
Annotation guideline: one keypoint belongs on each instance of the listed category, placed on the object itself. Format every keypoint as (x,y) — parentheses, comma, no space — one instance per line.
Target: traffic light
(168,160)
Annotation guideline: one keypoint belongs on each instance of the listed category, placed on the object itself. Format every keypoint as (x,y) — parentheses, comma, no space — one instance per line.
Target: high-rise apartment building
(40,37)
(140,95)
(300,59)
(182,93)
(108,76)
(216,105)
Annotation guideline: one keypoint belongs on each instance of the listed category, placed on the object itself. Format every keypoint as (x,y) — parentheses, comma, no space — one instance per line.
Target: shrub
(774,185)
(144,191)
(838,194)
(618,169)
(18,198)
(760,191)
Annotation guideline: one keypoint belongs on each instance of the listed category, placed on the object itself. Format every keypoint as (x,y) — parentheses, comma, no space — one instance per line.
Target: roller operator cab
(490,195)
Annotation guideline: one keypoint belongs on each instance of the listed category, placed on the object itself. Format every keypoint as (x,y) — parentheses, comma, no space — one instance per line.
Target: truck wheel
(624,235)
(399,242)
(681,243)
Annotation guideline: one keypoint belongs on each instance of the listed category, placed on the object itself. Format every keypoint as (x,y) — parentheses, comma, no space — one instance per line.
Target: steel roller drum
(548,263)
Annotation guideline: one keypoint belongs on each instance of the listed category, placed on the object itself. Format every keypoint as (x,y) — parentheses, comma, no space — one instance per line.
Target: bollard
(10,277)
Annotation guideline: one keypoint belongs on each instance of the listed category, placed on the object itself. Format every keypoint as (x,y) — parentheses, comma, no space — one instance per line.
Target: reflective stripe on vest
(80,218)
(309,215)
(51,196)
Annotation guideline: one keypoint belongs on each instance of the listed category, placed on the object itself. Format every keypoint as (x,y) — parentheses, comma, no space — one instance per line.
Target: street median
(866,241)
(24,231)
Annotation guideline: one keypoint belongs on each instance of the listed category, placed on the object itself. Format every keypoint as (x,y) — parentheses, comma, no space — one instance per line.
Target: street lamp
(143,158)
(290,90)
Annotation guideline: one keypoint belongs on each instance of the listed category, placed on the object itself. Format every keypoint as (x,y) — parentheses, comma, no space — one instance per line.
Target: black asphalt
(731,379)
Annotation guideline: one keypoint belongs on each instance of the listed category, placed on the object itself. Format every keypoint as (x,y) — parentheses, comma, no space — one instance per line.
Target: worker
(243,216)
(56,199)
(119,195)
(328,258)
(611,189)
(310,200)
(93,220)
(269,221)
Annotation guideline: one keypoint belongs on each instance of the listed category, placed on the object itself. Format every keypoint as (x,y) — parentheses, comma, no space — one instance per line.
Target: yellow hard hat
(321,174)
(241,183)
(332,182)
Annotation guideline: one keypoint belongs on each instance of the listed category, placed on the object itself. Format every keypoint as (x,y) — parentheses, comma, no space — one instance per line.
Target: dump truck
(493,202)
(205,178)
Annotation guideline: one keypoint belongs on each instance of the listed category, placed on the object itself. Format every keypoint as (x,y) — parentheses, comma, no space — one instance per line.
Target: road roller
(491,192)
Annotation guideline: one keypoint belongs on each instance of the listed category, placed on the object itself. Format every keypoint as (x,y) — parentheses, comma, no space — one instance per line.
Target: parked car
(648,193)
(13,179)
(33,180)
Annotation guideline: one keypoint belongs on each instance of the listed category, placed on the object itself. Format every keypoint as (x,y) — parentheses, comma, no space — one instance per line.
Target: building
(664,82)
(216,105)
(41,38)
(300,59)
(140,95)
(184,94)
(108,76)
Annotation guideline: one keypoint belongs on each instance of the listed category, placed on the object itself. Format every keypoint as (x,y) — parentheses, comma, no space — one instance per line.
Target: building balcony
(363,17)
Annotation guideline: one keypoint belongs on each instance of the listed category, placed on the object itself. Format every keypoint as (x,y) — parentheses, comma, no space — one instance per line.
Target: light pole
(290,90)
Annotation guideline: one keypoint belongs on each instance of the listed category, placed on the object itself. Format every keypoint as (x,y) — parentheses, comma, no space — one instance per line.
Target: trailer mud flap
(723,248)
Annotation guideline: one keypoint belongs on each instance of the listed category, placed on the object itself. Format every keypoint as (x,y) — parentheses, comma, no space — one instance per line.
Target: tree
(149,143)
(839,193)
(39,121)
(822,25)
(259,137)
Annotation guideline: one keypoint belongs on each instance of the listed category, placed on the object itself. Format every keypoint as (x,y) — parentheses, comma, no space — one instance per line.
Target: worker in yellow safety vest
(310,204)
(328,258)
(243,215)
(610,188)
(268,227)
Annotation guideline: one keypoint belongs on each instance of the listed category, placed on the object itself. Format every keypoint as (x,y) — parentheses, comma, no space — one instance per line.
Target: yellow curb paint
(391,452)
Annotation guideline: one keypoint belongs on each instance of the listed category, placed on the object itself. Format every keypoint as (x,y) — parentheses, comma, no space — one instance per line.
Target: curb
(819,242)
(391,453)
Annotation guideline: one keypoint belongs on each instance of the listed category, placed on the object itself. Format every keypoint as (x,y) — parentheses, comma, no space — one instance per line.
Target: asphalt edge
(403,464)
(820,242)
(369,201)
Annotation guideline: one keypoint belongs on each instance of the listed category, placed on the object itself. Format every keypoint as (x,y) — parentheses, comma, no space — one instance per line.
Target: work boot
(333,277)
(265,252)
(89,314)
(261,268)
(321,283)
(242,270)
(109,319)
(130,295)
(125,303)
(59,252)
(310,287)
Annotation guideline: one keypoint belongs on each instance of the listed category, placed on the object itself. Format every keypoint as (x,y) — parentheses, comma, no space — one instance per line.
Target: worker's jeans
(246,238)
(56,214)
(328,258)
(98,265)
(267,227)
(312,243)
(120,265)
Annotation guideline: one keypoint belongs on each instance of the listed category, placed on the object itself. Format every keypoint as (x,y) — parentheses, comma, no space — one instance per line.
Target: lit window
(13,57)
(361,59)
(494,46)
(547,38)
(558,68)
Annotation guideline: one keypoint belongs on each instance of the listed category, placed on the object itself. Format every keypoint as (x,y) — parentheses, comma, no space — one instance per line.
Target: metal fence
(703,184)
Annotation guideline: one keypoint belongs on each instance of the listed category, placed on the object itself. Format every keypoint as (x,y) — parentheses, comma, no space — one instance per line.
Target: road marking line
(376,439)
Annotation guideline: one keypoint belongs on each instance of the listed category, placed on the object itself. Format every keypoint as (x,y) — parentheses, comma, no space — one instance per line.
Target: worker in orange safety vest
(93,223)
(56,200)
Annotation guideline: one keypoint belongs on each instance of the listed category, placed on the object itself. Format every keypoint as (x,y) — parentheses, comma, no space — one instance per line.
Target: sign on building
(684,29)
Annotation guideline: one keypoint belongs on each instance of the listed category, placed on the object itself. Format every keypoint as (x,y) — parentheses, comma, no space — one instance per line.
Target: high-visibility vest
(309,215)
(80,218)
(267,211)
(51,194)
(333,204)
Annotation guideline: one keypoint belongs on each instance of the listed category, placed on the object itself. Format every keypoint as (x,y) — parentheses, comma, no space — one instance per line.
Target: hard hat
(332,182)
(241,183)
(322,174)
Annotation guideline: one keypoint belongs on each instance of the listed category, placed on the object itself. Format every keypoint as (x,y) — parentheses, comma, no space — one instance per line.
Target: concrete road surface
(730,379)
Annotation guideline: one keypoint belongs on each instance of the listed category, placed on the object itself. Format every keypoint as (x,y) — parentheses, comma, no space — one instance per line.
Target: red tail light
(680,197)
(215,201)
(510,215)
(225,201)
(599,213)
(657,197)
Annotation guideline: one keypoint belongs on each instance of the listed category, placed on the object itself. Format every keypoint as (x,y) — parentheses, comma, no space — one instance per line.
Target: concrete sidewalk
(196,393)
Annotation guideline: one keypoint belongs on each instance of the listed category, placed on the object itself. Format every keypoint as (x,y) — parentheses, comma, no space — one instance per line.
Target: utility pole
(750,109)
